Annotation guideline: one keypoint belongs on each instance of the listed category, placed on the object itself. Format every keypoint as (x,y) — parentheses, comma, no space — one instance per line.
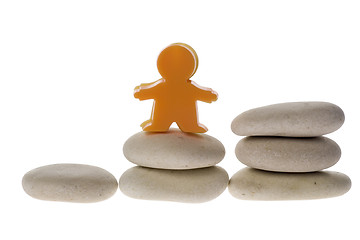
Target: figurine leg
(145,123)
(193,128)
(153,126)
(188,122)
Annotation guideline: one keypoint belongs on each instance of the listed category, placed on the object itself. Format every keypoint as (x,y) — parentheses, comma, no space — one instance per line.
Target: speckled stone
(252,184)
(293,119)
(70,183)
(283,154)
(173,150)
(189,186)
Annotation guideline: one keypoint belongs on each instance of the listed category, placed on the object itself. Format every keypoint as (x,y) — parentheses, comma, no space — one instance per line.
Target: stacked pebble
(286,138)
(174,166)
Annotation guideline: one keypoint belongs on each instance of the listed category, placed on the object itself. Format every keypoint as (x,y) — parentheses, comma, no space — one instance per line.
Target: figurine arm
(205,94)
(145,90)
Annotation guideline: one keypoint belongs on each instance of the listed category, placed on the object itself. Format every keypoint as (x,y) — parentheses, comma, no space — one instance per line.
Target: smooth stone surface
(283,154)
(70,183)
(294,119)
(189,186)
(253,184)
(173,150)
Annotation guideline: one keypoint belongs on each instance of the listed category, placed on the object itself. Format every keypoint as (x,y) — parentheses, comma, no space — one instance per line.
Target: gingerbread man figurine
(175,95)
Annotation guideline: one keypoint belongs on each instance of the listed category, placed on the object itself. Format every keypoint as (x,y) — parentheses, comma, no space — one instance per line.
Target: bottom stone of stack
(253,184)
(189,186)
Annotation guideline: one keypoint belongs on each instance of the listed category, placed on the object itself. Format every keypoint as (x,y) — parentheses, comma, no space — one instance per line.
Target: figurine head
(178,61)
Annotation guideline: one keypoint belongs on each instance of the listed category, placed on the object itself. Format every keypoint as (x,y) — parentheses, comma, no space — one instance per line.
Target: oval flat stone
(282,154)
(190,186)
(173,150)
(252,184)
(294,119)
(70,183)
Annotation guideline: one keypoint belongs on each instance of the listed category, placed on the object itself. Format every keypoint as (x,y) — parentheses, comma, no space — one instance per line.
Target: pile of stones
(286,141)
(174,166)
(284,149)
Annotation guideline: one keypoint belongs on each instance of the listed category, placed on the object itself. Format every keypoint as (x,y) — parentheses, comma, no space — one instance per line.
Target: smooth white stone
(252,184)
(70,183)
(294,119)
(173,150)
(283,154)
(189,186)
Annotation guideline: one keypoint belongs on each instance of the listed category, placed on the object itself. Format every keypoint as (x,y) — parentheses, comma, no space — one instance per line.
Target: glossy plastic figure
(175,95)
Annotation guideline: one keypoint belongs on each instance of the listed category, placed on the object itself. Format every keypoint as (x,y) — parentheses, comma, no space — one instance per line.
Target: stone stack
(174,166)
(286,138)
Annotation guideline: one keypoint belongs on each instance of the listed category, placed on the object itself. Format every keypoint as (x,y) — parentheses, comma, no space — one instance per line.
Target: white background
(67,73)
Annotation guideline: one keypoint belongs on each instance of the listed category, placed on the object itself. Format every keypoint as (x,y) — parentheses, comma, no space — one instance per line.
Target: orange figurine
(175,95)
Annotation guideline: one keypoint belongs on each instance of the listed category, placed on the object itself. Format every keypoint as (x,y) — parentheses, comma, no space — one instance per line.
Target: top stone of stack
(293,119)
